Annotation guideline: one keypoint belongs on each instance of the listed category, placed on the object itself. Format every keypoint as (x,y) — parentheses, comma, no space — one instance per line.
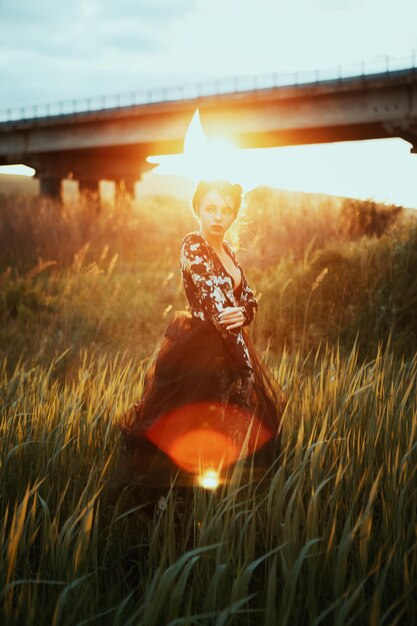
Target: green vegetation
(328,537)
(76,277)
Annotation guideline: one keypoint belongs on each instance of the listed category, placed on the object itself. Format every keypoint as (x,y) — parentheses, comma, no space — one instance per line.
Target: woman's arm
(196,266)
(249,304)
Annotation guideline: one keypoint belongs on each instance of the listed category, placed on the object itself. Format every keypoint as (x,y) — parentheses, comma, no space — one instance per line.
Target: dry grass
(328,537)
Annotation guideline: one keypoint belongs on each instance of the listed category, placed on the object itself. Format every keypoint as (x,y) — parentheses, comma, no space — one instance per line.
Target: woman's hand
(232,315)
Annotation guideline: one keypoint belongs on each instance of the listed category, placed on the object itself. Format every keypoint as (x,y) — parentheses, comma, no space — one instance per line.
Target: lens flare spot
(201,157)
(207,435)
(202,447)
(209,480)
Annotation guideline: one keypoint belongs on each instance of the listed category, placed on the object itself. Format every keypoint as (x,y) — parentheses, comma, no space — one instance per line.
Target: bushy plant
(367,218)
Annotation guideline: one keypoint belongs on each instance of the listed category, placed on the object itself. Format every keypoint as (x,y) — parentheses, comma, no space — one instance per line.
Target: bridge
(110,137)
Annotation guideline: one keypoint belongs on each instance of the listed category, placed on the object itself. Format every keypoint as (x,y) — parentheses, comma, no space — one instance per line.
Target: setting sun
(331,168)
(17,170)
(201,157)
(209,480)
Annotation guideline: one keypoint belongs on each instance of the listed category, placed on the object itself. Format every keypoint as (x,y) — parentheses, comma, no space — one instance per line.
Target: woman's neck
(215,241)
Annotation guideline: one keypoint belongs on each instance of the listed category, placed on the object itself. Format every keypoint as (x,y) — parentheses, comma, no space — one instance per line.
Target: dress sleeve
(196,264)
(249,303)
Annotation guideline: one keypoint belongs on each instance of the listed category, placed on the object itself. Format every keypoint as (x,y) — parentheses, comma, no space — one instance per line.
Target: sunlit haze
(106,48)
(323,168)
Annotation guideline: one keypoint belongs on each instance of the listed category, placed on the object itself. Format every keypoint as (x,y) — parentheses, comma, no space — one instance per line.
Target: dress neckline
(226,248)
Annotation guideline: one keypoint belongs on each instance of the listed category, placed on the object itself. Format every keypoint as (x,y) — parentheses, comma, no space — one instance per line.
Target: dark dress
(208,396)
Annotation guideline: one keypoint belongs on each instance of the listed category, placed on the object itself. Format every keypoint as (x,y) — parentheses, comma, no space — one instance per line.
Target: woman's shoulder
(229,246)
(197,236)
(195,241)
(232,249)
(193,237)
(193,250)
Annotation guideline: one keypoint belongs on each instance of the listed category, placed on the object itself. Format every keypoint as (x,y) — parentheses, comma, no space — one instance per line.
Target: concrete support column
(126,186)
(130,186)
(90,188)
(50,187)
(88,184)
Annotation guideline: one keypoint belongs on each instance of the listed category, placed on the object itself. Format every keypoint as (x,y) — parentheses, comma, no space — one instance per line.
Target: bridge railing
(210,87)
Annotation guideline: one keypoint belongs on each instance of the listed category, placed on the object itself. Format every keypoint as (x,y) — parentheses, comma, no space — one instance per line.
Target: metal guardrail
(235,84)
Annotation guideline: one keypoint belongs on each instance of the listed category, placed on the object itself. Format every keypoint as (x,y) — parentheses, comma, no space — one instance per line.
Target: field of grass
(329,536)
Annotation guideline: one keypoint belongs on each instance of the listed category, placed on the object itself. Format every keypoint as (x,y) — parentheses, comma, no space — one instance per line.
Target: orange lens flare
(209,480)
(201,448)
(207,435)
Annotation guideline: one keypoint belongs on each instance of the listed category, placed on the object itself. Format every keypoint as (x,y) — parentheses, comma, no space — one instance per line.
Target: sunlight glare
(17,170)
(340,168)
(202,158)
(209,480)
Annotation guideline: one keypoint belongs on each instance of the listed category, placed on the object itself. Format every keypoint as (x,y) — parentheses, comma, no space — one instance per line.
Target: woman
(208,397)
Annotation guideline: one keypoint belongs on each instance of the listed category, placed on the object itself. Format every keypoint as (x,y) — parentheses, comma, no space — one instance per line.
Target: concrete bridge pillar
(126,186)
(89,184)
(50,187)
(130,186)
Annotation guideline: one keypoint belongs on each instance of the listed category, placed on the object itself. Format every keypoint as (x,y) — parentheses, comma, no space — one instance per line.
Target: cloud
(46,28)
(46,46)
(160,11)
(50,50)
(46,11)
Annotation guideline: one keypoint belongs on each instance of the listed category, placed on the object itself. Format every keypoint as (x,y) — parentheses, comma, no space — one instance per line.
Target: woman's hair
(221,186)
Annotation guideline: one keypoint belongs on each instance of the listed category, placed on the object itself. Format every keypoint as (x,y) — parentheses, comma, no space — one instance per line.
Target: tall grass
(71,278)
(273,225)
(327,537)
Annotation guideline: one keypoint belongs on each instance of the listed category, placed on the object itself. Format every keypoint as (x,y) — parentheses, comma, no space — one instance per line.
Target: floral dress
(209,290)
(203,378)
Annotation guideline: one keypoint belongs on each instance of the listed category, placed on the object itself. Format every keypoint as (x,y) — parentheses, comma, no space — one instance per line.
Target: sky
(51,50)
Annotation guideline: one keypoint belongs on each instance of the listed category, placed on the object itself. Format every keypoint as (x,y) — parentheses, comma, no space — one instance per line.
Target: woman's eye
(211,209)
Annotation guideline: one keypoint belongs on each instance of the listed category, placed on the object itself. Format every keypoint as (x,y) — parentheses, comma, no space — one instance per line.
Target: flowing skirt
(200,413)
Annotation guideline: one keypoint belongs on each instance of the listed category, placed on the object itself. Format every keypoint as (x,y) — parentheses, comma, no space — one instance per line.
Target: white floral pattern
(209,290)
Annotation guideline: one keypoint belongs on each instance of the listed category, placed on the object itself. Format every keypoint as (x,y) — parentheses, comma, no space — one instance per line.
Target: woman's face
(216,213)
